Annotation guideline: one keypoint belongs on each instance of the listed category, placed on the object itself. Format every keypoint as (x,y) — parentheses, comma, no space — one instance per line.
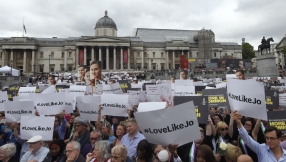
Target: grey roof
(105,22)
(227,43)
(135,39)
(165,35)
(56,39)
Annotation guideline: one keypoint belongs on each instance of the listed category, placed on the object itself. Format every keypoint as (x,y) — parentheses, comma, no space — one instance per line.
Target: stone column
(3,58)
(188,55)
(24,61)
(182,52)
(142,60)
(173,59)
(107,57)
(84,55)
(167,62)
(33,59)
(100,55)
(135,59)
(121,58)
(114,57)
(76,57)
(92,53)
(11,56)
(128,56)
(65,60)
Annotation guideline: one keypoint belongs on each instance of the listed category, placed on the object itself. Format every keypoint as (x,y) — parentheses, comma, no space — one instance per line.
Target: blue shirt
(39,156)
(263,152)
(131,145)
(62,129)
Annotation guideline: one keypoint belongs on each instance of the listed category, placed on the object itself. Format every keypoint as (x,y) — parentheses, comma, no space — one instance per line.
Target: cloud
(230,20)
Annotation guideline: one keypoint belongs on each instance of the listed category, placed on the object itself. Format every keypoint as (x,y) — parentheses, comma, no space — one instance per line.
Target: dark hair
(81,66)
(173,77)
(52,76)
(56,135)
(185,71)
(3,114)
(251,121)
(96,62)
(272,128)
(145,145)
(218,115)
(207,152)
(59,118)
(241,71)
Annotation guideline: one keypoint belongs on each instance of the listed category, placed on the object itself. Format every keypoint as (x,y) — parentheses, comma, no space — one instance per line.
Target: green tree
(247,51)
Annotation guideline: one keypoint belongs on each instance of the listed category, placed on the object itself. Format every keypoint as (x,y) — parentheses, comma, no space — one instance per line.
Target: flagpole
(23,27)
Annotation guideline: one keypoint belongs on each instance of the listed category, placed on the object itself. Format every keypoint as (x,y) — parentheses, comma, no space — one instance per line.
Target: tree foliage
(247,51)
(284,51)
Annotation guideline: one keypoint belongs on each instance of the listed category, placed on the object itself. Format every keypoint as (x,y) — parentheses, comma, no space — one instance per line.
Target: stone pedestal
(266,66)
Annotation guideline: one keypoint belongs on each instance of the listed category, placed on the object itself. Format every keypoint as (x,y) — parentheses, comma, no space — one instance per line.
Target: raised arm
(230,126)
(256,129)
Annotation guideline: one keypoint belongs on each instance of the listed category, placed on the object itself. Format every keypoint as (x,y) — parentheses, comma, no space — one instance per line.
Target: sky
(230,20)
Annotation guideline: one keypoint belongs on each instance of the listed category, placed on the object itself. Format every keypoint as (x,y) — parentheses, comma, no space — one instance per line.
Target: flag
(24,28)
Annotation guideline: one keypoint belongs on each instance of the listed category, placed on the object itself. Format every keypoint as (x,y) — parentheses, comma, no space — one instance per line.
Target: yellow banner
(192,60)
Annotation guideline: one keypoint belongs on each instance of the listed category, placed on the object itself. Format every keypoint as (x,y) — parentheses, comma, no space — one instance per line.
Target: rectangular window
(70,54)
(1,55)
(70,68)
(215,54)
(41,54)
(153,54)
(62,67)
(63,55)
(197,54)
(52,68)
(138,54)
(162,54)
(191,55)
(145,54)
(52,55)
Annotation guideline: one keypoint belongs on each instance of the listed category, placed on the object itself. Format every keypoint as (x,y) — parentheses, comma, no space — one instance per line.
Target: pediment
(282,43)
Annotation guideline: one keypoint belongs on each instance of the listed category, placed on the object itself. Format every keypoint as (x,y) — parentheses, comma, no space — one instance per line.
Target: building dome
(105,22)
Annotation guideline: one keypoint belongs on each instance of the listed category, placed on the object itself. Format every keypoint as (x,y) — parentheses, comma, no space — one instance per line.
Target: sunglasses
(224,129)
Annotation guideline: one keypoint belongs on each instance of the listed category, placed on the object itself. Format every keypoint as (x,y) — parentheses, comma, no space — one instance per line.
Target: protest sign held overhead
(14,110)
(48,104)
(170,125)
(34,125)
(216,97)
(88,111)
(200,104)
(114,104)
(3,99)
(277,119)
(248,97)
(272,99)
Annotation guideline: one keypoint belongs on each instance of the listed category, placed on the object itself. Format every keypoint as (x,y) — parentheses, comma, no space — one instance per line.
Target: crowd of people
(118,139)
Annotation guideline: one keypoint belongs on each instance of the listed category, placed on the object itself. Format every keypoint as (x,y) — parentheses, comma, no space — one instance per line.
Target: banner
(3,99)
(49,104)
(248,97)
(199,89)
(200,104)
(232,63)
(170,125)
(277,119)
(24,91)
(216,97)
(272,99)
(88,111)
(81,57)
(125,56)
(14,110)
(34,125)
(184,63)
(114,104)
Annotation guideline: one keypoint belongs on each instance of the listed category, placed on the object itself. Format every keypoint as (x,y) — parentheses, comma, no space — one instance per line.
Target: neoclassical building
(145,49)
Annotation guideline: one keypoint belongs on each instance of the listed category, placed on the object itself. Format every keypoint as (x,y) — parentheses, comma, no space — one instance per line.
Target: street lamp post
(11,64)
(34,69)
(152,64)
(49,63)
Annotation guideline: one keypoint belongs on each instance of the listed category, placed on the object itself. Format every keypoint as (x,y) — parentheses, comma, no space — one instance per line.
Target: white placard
(88,111)
(48,104)
(170,125)
(114,104)
(50,89)
(34,125)
(248,97)
(3,99)
(80,90)
(14,110)
(133,97)
(151,106)
(24,91)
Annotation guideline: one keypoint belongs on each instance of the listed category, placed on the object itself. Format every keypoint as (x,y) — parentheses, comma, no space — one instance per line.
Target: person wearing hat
(81,134)
(36,151)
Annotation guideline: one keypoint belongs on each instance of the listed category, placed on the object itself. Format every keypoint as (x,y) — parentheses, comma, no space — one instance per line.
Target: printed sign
(216,97)
(14,110)
(3,99)
(48,104)
(272,99)
(277,119)
(200,104)
(170,125)
(34,125)
(88,111)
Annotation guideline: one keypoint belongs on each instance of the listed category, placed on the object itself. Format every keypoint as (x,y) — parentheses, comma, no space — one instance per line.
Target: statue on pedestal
(265,44)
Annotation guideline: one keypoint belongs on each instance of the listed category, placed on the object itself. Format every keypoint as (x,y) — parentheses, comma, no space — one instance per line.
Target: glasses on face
(270,139)
(249,125)
(115,157)
(223,129)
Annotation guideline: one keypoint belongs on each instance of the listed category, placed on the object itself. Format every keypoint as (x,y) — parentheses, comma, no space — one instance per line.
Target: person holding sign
(81,134)
(266,152)
(36,151)
(81,73)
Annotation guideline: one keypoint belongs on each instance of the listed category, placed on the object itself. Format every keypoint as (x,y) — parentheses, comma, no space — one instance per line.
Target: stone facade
(147,49)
